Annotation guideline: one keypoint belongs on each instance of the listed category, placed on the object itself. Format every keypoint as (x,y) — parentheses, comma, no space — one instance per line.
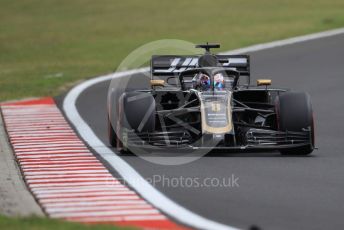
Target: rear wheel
(294,113)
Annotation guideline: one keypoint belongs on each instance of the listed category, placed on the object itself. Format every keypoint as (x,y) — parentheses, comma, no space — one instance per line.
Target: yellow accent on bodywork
(261,82)
(217,130)
(215,107)
(157,82)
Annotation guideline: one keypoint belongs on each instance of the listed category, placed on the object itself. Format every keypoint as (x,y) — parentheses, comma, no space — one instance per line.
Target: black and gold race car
(206,102)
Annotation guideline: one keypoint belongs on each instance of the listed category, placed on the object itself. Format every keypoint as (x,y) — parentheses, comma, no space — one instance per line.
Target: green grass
(47,45)
(36,223)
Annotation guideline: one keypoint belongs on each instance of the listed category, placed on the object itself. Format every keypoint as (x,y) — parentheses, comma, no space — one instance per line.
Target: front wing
(256,139)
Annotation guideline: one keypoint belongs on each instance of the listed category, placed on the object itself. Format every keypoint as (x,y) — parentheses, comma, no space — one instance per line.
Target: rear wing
(169,65)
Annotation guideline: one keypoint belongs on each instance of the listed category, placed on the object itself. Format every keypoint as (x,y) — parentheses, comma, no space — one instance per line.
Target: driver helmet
(219,81)
(205,82)
(202,81)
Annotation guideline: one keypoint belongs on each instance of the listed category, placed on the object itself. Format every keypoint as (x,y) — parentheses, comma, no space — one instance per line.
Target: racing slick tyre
(294,113)
(136,113)
(112,119)
(112,134)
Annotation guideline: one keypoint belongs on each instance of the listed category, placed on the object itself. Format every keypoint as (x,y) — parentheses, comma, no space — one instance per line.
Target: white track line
(59,165)
(285,42)
(98,208)
(96,198)
(66,184)
(86,194)
(72,172)
(50,156)
(105,213)
(53,189)
(94,203)
(127,172)
(58,162)
(114,219)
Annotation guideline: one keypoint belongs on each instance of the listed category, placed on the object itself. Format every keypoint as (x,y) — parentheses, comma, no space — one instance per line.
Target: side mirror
(157,82)
(265,82)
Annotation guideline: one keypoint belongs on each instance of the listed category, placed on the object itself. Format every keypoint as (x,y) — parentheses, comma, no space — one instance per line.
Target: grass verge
(47,45)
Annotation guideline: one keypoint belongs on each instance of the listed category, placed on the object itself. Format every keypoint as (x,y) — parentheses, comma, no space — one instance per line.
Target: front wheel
(136,115)
(294,113)
(113,139)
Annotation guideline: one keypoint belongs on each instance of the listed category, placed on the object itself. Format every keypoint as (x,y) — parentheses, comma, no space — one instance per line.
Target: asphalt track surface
(275,192)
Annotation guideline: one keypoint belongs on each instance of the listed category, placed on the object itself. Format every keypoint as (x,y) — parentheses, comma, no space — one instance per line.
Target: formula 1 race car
(206,102)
